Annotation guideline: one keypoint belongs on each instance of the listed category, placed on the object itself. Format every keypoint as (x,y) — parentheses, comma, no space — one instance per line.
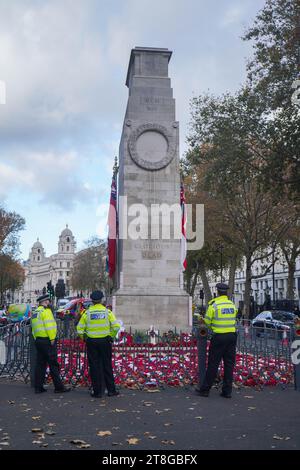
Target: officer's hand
(53,342)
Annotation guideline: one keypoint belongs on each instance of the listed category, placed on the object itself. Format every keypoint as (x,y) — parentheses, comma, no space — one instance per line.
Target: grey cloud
(65,63)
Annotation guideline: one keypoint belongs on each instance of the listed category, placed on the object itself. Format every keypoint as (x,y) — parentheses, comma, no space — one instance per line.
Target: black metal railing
(155,360)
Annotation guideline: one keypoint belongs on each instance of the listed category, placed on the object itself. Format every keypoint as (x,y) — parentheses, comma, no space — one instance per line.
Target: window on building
(61,273)
(60,264)
(68,239)
(39,250)
(68,273)
(68,265)
(68,248)
(38,258)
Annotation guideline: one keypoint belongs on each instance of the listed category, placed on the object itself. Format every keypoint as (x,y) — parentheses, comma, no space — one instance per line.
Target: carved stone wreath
(149,165)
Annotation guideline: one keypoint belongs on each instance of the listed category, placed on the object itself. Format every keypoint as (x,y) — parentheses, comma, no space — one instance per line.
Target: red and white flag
(183,228)
(112,229)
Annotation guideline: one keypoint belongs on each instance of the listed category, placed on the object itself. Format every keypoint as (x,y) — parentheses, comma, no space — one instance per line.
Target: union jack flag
(112,229)
(183,228)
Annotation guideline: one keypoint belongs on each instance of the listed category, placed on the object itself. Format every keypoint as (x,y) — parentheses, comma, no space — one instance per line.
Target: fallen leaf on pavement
(168,424)
(103,433)
(36,430)
(132,440)
(35,417)
(158,412)
(172,443)
(50,432)
(37,442)
(116,444)
(251,408)
(279,438)
(199,417)
(115,428)
(11,402)
(248,396)
(167,409)
(152,437)
(51,424)
(153,391)
(80,444)
(148,403)
(120,411)
(4,443)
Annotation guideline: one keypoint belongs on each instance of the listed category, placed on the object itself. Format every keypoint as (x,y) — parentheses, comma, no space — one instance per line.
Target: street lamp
(220,250)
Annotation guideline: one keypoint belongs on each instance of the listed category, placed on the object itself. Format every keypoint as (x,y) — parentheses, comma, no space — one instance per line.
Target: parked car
(273,321)
(74,308)
(61,303)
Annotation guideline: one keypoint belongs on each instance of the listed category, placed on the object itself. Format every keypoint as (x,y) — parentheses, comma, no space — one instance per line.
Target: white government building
(40,269)
(261,286)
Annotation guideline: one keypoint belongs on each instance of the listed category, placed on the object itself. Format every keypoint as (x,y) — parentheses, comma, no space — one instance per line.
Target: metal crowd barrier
(263,357)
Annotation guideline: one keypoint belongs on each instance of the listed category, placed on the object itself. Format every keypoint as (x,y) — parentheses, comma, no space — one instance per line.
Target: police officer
(99,326)
(44,331)
(221,318)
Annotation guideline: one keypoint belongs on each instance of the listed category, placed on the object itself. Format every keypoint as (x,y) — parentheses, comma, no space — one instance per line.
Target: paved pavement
(171,419)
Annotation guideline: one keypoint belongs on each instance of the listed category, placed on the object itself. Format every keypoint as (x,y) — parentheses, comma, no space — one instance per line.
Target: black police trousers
(99,352)
(222,346)
(46,354)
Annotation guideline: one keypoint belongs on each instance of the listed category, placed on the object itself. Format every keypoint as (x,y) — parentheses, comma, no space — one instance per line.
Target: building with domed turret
(40,269)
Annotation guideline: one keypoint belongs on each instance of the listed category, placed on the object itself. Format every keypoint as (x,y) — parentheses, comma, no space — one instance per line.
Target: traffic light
(50,289)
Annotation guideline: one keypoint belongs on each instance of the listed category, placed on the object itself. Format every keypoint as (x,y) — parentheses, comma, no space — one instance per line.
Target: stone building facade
(40,269)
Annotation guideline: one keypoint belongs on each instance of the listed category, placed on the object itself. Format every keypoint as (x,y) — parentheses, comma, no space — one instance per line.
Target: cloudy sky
(64,65)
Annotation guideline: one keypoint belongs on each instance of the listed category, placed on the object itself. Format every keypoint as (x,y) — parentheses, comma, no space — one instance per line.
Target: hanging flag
(183,228)
(112,229)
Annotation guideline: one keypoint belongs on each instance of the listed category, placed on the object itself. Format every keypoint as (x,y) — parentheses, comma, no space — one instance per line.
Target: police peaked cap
(222,287)
(97,295)
(43,297)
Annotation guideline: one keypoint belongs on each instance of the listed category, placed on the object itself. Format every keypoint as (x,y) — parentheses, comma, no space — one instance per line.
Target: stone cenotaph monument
(149,287)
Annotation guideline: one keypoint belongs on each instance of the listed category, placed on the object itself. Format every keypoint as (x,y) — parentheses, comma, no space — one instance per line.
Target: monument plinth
(149,270)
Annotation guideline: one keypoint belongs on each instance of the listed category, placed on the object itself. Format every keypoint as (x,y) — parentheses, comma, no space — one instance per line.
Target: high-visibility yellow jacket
(98,322)
(43,324)
(221,315)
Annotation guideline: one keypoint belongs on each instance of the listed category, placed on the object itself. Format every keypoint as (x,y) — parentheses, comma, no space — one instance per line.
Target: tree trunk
(232,271)
(194,283)
(206,288)
(247,294)
(291,276)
